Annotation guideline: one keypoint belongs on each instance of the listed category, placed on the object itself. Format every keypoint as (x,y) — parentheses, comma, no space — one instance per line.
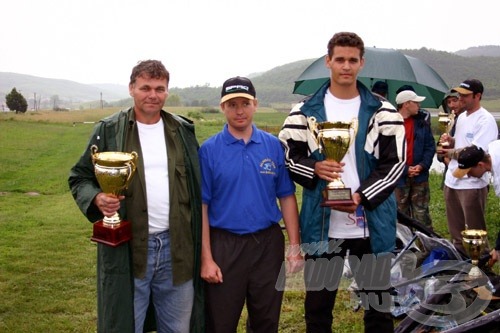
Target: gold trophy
(474,242)
(113,171)
(334,139)
(445,124)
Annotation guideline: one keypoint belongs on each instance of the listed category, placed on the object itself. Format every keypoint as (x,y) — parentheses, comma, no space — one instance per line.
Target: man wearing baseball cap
(408,96)
(451,105)
(465,197)
(407,87)
(243,174)
(412,191)
(475,162)
(471,86)
(450,102)
(468,158)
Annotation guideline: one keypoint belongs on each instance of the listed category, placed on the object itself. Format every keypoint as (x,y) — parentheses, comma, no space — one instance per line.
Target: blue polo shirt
(241,182)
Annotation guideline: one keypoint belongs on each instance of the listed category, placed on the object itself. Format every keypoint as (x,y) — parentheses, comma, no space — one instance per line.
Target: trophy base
(337,197)
(112,236)
(475,273)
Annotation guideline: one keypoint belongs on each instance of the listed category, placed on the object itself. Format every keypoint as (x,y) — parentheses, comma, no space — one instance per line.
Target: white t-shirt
(494,151)
(154,157)
(478,128)
(345,225)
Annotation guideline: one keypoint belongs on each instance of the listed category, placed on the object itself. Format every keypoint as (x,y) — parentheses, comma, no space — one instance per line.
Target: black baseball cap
(471,86)
(468,157)
(237,87)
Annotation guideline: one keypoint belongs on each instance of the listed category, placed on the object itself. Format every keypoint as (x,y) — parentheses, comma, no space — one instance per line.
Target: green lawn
(47,262)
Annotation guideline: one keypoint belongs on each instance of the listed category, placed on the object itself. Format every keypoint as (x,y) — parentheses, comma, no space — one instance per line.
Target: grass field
(47,262)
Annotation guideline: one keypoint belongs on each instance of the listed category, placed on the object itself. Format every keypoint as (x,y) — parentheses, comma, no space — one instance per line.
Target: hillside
(67,92)
(274,87)
(454,68)
(480,51)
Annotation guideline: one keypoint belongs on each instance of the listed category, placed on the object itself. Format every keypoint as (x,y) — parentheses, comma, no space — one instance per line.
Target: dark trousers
(319,302)
(250,266)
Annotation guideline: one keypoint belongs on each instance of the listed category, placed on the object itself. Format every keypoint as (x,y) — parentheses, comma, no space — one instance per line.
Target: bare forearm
(206,250)
(290,213)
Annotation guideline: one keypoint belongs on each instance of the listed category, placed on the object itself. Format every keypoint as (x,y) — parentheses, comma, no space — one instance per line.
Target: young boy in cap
(465,198)
(475,162)
(427,114)
(243,173)
(412,191)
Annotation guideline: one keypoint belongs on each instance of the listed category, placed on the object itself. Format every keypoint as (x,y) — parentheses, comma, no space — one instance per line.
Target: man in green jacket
(160,265)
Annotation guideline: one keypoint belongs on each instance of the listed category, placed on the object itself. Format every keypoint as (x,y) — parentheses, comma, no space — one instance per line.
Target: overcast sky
(208,41)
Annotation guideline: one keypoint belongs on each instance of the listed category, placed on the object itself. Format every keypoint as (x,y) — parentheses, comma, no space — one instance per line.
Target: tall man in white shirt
(465,197)
(374,162)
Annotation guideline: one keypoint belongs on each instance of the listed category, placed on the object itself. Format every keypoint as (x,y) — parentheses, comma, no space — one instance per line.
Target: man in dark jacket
(412,192)
(163,205)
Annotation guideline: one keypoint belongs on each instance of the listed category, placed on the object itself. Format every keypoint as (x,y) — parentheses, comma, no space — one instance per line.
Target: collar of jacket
(315,105)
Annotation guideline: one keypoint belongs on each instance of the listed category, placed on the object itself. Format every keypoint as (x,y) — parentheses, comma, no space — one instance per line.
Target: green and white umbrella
(388,65)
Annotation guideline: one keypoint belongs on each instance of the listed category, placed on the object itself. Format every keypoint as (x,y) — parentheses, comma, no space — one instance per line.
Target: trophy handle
(132,166)
(93,151)
(313,128)
(318,140)
(354,125)
(451,116)
(313,124)
(134,159)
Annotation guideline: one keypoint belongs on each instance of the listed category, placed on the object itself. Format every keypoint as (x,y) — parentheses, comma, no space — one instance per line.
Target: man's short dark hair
(405,87)
(153,69)
(349,39)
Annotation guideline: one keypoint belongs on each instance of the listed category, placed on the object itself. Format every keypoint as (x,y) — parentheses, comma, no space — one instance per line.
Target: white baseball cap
(408,95)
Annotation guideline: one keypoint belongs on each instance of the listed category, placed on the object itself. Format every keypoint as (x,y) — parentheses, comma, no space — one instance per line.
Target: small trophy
(113,171)
(445,124)
(474,242)
(334,140)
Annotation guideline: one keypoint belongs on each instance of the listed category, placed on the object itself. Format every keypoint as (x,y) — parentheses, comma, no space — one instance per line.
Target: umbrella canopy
(388,65)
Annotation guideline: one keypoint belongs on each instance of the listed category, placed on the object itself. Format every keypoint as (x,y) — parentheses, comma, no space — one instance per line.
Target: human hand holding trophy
(334,139)
(474,242)
(114,171)
(445,124)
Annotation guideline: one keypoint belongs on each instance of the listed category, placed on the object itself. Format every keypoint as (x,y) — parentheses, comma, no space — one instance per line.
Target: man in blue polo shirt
(243,173)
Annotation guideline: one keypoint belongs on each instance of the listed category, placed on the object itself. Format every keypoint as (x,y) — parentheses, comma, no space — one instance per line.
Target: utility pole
(102,104)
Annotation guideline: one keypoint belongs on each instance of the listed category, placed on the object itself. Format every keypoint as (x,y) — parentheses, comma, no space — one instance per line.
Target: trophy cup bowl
(334,139)
(114,171)
(445,123)
(474,242)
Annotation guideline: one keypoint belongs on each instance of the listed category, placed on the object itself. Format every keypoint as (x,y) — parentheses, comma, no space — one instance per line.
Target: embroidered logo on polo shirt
(267,167)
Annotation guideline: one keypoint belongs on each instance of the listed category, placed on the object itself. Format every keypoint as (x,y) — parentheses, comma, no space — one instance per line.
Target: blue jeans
(172,304)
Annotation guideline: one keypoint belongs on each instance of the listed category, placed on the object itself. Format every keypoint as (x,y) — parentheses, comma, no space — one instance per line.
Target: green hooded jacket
(117,266)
